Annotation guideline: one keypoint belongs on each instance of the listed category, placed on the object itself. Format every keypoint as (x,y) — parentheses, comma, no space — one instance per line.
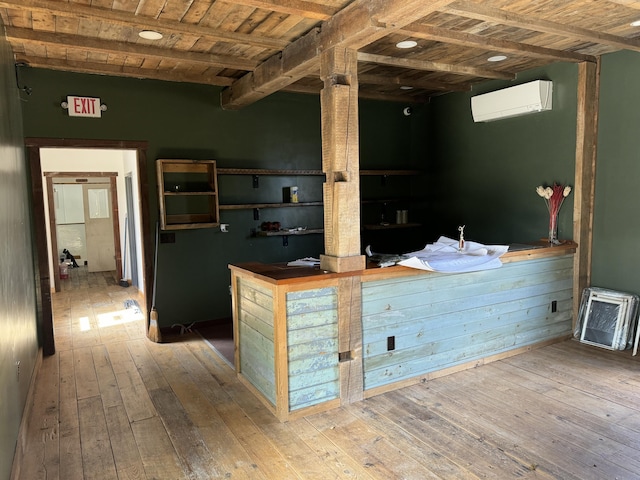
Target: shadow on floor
(220,338)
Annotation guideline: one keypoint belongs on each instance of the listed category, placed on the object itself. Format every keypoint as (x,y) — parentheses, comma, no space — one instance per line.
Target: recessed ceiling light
(497,58)
(150,35)
(407,44)
(406,87)
(635,23)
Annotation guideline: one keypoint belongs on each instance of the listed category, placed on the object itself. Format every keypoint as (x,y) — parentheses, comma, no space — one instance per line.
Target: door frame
(43,287)
(109,177)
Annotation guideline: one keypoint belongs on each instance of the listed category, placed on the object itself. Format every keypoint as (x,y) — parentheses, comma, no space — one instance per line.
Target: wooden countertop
(280,273)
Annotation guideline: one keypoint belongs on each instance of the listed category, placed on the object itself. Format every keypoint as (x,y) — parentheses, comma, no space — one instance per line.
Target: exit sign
(83,106)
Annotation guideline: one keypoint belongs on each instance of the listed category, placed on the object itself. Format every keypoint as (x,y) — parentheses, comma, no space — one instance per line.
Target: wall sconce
(24,88)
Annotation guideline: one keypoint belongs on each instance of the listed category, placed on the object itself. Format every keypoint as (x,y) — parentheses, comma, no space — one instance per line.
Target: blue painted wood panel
(312,340)
(255,332)
(442,320)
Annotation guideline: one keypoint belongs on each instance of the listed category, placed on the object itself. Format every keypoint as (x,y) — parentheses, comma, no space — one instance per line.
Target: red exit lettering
(83,106)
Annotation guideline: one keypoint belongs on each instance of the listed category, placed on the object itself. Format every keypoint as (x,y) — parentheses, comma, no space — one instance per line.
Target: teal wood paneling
(255,329)
(312,340)
(317,345)
(439,321)
(257,294)
(410,333)
(313,395)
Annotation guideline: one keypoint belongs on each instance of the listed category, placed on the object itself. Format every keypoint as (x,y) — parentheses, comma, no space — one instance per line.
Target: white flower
(567,191)
(548,193)
(540,190)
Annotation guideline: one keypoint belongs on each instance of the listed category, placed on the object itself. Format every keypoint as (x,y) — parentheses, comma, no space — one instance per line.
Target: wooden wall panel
(312,339)
(255,337)
(439,321)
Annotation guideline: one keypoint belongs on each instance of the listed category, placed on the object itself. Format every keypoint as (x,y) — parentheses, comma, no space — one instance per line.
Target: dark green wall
(186,121)
(616,256)
(18,311)
(484,175)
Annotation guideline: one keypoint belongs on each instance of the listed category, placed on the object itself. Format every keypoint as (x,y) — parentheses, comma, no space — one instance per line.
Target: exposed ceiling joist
(355,26)
(367,79)
(112,47)
(434,66)
(127,71)
(499,45)
(278,42)
(139,22)
(487,14)
(368,95)
(293,7)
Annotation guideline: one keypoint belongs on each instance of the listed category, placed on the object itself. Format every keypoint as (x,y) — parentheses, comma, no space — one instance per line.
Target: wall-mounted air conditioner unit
(513,101)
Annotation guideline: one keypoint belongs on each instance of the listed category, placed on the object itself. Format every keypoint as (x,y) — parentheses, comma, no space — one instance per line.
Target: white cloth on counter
(444,256)
(305,262)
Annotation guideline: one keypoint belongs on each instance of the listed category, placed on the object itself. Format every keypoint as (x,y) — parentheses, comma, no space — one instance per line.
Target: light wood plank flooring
(110,404)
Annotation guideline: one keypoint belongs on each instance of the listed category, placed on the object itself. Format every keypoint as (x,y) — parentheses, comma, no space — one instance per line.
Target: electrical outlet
(224,227)
(167,237)
(391,343)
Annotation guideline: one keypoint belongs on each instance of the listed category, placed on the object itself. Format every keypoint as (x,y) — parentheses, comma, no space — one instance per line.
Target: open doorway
(85,222)
(42,219)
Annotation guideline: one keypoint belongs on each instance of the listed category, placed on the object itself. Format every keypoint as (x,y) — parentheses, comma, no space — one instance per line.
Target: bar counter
(308,340)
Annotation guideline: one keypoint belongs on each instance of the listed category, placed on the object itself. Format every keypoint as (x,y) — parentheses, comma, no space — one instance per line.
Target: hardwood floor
(110,404)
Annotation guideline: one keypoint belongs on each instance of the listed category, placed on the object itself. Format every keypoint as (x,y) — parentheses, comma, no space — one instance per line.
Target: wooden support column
(585,172)
(350,339)
(340,161)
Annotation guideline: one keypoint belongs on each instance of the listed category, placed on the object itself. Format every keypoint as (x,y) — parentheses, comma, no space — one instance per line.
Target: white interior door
(69,211)
(99,227)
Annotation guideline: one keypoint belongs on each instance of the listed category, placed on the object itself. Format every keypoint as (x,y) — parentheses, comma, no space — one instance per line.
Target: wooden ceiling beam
(139,22)
(627,3)
(110,47)
(299,8)
(367,79)
(123,71)
(357,25)
(443,35)
(434,66)
(487,14)
(306,89)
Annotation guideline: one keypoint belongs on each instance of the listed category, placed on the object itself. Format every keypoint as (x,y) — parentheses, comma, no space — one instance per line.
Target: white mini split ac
(513,101)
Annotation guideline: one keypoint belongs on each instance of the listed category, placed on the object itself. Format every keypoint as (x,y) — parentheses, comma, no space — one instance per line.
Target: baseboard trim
(21,441)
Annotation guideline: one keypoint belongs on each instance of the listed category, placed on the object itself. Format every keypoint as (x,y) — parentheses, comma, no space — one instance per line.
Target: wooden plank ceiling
(253,48)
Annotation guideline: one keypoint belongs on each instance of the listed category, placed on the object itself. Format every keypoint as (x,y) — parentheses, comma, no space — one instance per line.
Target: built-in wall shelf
(286,233)
(245,206)
(280,233)
(257,172)
(187,194)
(389,173)
(388,226)
(385,200)
(266,171)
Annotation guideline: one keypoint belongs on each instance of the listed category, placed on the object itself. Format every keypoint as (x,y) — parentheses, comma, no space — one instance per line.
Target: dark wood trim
(53,232)
(116,225)
(147,232)
(84,143)
(80,174)
(33,146)
(40,231)
(585,174)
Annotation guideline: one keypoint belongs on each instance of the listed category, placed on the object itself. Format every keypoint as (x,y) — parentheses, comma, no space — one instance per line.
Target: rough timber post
(340,161)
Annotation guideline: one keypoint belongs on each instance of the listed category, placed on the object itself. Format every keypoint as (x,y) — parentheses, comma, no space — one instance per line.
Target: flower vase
(553,229)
